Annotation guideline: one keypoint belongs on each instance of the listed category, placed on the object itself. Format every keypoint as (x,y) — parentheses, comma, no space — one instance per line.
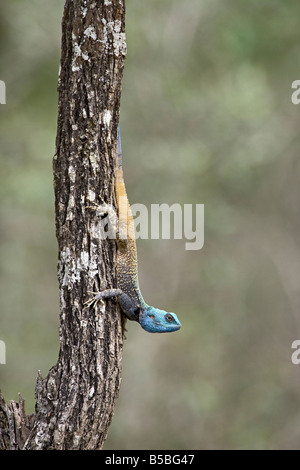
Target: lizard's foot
(103,210)
(96,298)
(100,296)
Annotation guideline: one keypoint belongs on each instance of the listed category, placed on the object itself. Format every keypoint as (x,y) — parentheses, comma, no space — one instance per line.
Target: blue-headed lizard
(128,292)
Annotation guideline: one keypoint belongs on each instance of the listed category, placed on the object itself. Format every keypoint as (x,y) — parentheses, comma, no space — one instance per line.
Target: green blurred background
(206,117)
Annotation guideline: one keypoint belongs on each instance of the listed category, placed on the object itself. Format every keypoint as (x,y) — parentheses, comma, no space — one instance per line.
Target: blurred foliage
(206,117)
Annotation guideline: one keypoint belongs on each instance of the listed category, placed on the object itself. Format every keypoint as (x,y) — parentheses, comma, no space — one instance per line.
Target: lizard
(133,306)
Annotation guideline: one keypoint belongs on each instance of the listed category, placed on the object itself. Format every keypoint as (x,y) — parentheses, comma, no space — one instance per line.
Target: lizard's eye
(169,318)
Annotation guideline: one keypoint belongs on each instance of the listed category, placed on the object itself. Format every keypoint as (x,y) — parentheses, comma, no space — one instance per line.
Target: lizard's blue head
(154,320)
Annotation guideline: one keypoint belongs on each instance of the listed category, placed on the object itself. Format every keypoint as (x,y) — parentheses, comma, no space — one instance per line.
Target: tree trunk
(75,402)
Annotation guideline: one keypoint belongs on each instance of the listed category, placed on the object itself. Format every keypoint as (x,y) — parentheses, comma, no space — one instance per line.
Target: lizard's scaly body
(127,265)
(128,292)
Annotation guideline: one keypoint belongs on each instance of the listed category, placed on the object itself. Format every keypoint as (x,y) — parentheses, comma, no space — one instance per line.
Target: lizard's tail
(126,224)
(119,151)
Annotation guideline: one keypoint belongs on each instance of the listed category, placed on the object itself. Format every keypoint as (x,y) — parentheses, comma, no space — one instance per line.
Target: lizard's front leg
(105,294)
(130,309)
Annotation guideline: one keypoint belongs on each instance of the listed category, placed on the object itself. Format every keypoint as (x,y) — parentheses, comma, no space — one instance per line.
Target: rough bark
(75,402)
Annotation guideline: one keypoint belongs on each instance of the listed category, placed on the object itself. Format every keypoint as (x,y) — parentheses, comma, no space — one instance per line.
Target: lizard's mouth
(176,327)
(162,328)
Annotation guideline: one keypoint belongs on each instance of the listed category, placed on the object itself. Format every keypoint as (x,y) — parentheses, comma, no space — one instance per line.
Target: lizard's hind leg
(107,228)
